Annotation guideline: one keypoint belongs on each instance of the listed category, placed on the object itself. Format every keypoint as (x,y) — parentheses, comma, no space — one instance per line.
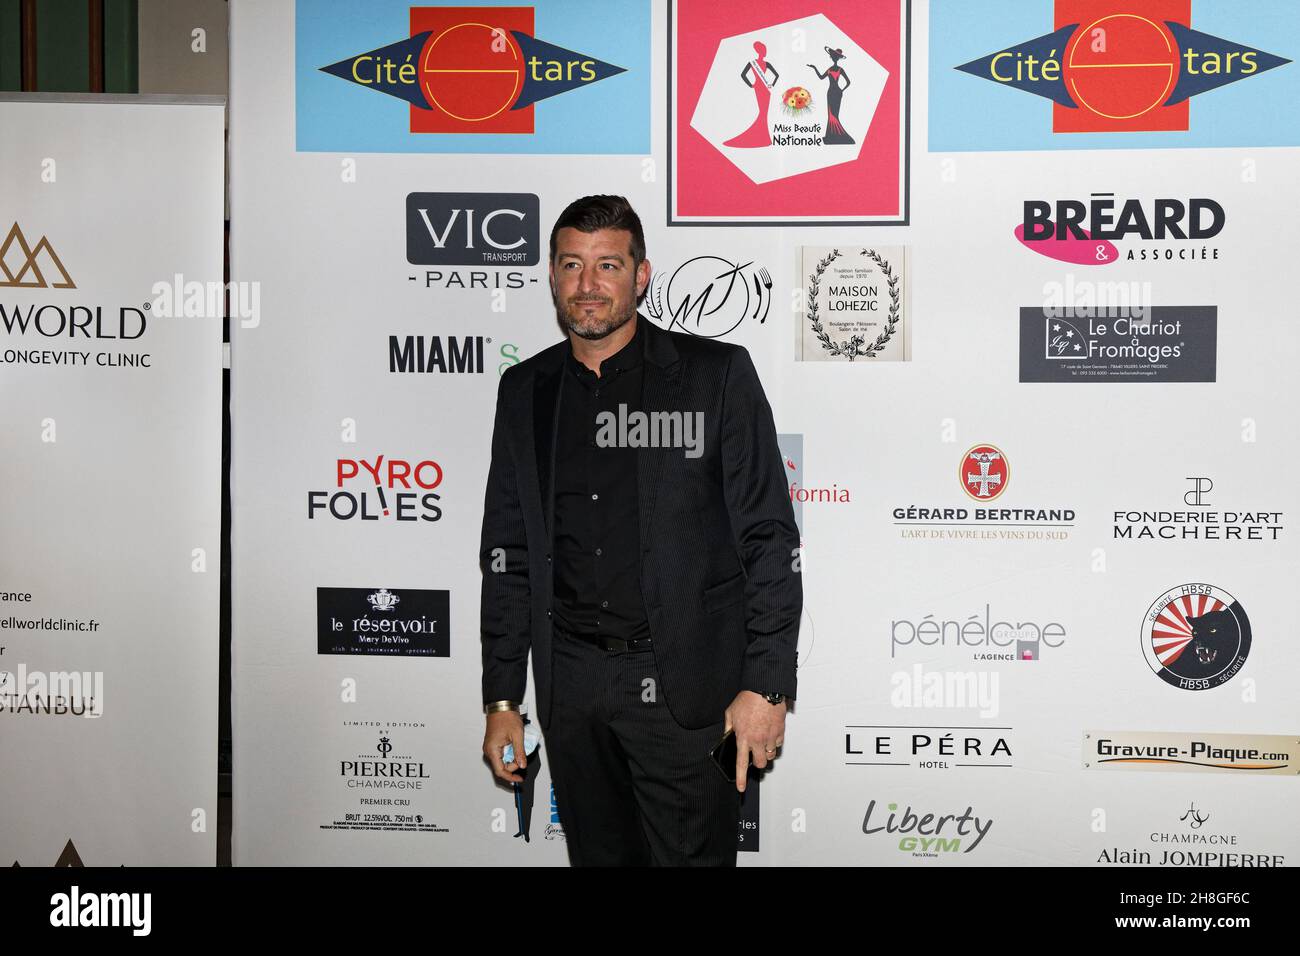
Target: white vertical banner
(110,460)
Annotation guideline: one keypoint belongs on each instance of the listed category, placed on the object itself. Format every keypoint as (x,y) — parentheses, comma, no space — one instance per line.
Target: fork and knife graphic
(767,284)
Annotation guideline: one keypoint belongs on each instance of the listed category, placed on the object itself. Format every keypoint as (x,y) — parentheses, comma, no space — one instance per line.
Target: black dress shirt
(597,529)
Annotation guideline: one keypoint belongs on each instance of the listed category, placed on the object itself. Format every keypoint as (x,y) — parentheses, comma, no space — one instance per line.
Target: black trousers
(632,787)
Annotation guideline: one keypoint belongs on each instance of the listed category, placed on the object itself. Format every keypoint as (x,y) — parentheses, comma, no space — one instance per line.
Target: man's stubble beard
(568,317)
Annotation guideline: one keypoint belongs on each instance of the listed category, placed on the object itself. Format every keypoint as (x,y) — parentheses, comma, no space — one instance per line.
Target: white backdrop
(325,236)
(111,468)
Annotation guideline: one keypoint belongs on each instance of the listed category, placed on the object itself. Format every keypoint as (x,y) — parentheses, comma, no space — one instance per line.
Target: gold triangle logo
(30,266)
(69,857)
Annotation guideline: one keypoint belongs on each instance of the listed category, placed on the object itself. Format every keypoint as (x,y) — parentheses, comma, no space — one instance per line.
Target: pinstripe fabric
(718,536)
(633,788)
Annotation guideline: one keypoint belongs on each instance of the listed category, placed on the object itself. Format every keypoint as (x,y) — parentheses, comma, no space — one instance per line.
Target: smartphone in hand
(724,756)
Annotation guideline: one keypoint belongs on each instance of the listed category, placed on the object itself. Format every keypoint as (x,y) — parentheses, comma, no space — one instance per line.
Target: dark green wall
(63,46)
(10,49)
(121,47)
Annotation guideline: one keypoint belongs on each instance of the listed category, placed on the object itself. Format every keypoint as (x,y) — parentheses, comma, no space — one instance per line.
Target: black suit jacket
(718,538)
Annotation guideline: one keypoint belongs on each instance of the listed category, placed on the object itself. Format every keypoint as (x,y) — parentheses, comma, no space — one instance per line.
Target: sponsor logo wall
(1041,610)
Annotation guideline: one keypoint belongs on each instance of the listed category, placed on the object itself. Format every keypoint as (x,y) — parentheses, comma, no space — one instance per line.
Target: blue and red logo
(472,70)
(1122,65)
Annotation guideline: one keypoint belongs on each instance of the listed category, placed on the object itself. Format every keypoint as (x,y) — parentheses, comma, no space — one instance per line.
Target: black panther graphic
(1215,637)
(1197,640)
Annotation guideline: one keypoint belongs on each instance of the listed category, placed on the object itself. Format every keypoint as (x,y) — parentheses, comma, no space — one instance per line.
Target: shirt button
(604,604)
(595,497)
(598,552)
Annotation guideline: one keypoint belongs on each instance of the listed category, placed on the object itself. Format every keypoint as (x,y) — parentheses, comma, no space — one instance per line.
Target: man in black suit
(638,538)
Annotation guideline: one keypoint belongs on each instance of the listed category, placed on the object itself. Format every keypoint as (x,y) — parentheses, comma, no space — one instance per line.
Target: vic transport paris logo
(1121,65)
(1196,636)
(472,70)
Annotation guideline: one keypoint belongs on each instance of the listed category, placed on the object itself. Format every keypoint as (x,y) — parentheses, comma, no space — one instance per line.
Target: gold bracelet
(497,706)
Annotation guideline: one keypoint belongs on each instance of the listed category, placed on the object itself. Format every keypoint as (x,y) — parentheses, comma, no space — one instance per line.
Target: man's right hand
(505,727)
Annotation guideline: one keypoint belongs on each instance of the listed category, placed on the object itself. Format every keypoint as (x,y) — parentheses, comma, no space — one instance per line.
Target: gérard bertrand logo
(984,474)
(472,70)
(1121,65)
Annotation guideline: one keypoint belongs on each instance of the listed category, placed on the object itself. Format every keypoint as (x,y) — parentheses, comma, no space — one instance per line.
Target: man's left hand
(760,730)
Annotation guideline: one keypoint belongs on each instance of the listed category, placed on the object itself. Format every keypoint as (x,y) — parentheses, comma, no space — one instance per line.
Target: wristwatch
(774,699)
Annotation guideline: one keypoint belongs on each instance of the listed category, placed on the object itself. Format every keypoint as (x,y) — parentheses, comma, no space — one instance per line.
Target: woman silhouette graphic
(835,131)
(755,76)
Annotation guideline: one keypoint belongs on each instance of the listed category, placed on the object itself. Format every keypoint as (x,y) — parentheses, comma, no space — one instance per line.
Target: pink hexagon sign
(789,121)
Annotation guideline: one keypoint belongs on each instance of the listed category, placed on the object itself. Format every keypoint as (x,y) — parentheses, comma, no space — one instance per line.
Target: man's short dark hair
(591,213)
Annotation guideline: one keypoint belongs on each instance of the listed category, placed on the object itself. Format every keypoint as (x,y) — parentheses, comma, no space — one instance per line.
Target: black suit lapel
(661,391)
(546,423)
